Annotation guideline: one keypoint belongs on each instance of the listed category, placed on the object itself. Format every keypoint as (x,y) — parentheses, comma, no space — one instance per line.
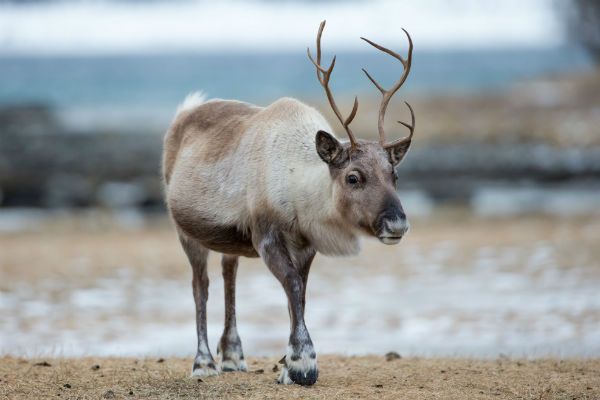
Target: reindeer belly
(207,204)
(225,239)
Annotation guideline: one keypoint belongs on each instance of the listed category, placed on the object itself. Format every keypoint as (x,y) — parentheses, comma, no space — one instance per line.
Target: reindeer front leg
(300,364)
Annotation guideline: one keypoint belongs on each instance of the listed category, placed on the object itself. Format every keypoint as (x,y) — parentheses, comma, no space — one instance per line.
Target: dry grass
(340,378)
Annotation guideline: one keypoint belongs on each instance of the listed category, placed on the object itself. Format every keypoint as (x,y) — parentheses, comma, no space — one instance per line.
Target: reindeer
(274,182)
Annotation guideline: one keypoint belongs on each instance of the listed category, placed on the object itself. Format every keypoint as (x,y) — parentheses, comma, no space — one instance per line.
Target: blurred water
(111,89)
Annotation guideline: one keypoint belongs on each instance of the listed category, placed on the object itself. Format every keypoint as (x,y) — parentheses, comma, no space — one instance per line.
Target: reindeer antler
(387,94)
(323,75)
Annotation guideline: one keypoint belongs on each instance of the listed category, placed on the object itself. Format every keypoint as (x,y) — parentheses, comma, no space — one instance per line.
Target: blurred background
(502,184)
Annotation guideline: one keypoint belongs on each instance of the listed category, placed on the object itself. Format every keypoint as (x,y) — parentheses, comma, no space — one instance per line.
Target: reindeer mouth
(389,239)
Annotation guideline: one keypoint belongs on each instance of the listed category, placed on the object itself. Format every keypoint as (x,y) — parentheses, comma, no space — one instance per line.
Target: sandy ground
(366,377)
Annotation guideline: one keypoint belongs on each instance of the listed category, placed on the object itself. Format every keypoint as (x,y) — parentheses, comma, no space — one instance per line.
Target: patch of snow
(506,201)
(20,219)
(411,305)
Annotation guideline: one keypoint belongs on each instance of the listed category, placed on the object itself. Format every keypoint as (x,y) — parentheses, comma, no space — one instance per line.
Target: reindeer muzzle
(392,230)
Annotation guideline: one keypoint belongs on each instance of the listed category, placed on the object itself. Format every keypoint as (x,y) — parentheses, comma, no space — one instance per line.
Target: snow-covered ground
(456,286)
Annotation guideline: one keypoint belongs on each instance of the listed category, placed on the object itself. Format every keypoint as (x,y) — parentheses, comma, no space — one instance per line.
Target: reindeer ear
(329,148)
(398,152)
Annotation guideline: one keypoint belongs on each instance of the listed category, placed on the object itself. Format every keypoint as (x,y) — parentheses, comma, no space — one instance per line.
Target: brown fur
(224,239)
(220,122)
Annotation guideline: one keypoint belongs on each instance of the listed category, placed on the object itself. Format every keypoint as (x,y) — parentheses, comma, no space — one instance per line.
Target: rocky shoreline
(44,164)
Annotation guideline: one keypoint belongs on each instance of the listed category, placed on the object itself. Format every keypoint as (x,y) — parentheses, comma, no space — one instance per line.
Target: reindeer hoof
(232,357)
(304,378)
(302,371)
(233,365)
(204,369)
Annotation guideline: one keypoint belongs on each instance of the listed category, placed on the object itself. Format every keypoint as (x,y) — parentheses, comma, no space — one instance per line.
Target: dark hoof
(304,378)
(232,365)
(204,369)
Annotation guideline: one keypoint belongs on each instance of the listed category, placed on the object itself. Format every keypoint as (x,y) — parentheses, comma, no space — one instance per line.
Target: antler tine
(318,62)
(411,129)
(385,50)
(325,72)
(388,94)
(382,90)
(352,113)
(324,75)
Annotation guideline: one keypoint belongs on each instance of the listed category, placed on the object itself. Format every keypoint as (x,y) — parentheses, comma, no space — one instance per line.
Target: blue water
(156,82)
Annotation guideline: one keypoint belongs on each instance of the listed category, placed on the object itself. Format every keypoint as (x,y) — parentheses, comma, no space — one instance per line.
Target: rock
(392,355)
(68,190)
(42,364)
(109,394)
(28,119)
(120,194)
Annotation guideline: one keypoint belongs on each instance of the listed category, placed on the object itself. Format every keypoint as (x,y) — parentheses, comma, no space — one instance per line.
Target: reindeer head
(364,172)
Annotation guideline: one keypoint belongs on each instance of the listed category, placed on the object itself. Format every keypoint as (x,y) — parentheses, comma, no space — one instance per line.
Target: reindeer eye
(352,179)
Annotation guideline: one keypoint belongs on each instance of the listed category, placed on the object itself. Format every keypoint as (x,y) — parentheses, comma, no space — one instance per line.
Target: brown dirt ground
(340,378)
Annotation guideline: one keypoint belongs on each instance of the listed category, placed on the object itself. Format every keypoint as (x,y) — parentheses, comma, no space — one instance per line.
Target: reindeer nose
(398,226)
(393,225)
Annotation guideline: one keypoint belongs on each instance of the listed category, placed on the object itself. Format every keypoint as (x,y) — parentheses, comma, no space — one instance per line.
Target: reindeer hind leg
(204,364)
(230,345)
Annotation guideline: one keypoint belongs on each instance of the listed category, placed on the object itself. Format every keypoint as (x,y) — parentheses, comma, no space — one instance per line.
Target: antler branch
(388,94)
(324,75)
